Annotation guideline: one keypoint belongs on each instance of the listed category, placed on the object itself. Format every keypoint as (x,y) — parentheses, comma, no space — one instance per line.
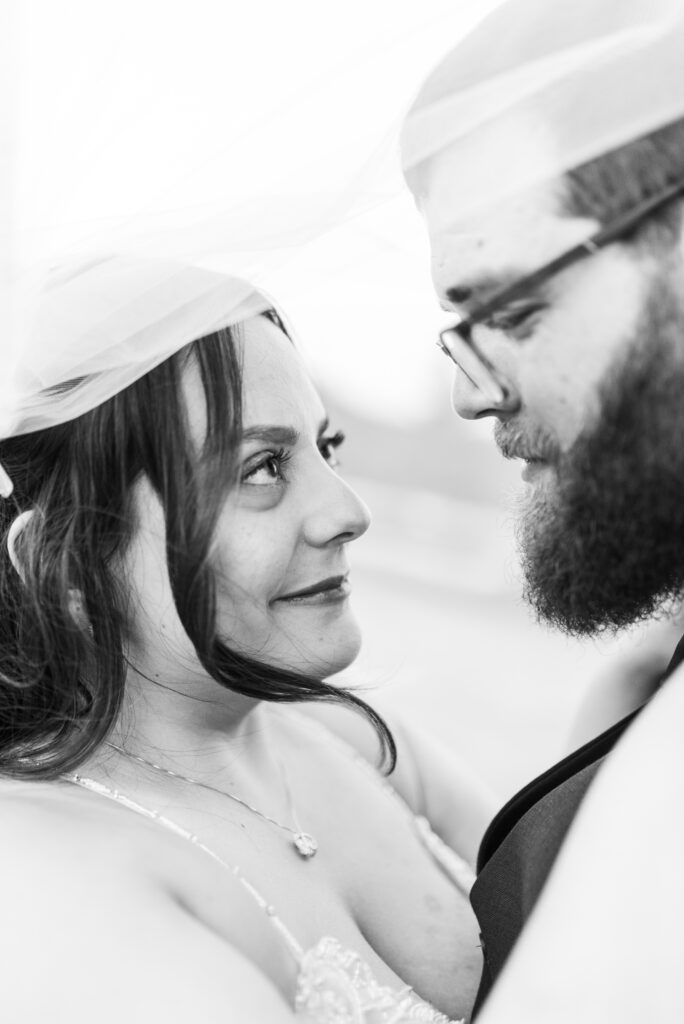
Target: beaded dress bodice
(334,984)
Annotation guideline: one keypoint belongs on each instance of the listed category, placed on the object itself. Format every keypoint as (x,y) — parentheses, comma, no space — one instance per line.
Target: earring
(17,528)
(6,485)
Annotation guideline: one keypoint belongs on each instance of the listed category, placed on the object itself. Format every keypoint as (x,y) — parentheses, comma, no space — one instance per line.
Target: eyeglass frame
(478,369)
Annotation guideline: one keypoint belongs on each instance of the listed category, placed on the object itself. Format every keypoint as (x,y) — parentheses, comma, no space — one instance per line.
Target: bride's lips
(327,591)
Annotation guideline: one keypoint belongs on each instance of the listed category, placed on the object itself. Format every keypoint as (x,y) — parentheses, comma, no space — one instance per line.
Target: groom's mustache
(533,444)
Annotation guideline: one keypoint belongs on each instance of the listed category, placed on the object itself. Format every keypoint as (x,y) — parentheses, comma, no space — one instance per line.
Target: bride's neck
(193,726)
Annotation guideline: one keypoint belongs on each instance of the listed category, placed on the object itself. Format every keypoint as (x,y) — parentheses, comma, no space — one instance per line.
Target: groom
(546,154)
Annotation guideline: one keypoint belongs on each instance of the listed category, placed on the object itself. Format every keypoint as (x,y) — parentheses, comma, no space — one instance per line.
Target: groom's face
(593,369)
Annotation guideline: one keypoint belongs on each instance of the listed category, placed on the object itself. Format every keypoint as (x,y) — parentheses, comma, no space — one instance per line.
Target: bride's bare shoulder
(38,818)
(45,809)
(77,892)
(57,841)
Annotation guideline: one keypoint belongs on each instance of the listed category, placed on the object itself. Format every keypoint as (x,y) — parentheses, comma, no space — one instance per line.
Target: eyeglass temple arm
(588,247)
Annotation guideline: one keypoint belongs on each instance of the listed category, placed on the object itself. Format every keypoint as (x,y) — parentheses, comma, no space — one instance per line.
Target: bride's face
(279,551)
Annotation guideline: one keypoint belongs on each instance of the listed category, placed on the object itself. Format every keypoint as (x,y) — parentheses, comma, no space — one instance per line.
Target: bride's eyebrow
(270,434)
(273,434)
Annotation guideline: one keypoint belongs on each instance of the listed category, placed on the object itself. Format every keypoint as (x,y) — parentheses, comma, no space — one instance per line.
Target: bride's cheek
(252,558)
(259,497)
(240,562)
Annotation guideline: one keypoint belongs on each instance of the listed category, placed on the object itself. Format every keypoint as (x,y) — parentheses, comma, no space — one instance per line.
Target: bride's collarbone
(372,885)
(371,870)
(409,931)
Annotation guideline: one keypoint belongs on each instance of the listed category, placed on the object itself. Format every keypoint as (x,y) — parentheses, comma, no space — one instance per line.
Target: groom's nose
(471,403)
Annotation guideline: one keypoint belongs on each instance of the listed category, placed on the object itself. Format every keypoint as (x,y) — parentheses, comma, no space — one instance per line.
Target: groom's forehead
(491,204)
(483,249)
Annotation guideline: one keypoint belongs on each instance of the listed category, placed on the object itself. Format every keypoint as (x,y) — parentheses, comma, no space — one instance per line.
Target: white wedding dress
(334,984)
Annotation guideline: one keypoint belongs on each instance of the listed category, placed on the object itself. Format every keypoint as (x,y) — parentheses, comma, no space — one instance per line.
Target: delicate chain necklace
(304,843)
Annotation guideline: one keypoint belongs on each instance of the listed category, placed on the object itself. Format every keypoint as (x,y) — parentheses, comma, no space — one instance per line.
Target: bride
(183,842)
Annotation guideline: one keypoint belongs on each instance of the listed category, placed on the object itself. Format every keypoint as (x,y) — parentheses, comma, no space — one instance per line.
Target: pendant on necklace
(305,845)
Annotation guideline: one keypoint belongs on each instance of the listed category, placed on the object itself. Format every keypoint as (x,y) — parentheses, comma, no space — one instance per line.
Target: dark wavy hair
(62,684)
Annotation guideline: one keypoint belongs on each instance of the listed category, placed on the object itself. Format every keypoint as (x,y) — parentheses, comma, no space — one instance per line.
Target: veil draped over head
(161,160)
(539,88)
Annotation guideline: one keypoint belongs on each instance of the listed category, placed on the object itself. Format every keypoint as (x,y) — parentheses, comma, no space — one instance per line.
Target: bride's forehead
(275,382)
(276,388)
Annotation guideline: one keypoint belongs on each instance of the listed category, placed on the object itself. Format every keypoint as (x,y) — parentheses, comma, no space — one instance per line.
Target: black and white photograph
(342,512)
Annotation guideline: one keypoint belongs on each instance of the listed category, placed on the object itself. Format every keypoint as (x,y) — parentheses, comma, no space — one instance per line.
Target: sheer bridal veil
(162,161)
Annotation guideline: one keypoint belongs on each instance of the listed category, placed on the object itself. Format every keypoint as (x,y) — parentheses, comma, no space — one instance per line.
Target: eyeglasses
(457,341)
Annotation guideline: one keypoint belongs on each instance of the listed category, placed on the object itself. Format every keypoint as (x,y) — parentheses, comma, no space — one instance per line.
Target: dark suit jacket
(522,843)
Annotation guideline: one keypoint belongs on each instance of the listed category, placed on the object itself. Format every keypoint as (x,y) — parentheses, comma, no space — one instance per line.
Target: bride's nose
(339,515)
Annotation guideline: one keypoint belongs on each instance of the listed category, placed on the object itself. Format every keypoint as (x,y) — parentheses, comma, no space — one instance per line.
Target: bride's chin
(344,659)
(337,654)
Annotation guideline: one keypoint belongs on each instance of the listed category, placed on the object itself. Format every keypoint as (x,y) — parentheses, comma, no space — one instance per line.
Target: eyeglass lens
(468,361)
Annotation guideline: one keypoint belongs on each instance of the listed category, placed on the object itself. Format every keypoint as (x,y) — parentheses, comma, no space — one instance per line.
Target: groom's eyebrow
(478,290)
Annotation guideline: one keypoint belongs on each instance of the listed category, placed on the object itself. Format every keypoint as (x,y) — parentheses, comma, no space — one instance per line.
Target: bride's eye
(266,468)
(328,445)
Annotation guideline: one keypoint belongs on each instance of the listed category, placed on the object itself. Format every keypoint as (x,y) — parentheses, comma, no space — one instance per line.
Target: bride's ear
(15,531)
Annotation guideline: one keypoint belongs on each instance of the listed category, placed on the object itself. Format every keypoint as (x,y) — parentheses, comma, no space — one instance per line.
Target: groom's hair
(619,180)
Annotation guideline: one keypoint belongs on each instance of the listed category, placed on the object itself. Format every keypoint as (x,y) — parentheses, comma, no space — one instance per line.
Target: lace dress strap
(113,794)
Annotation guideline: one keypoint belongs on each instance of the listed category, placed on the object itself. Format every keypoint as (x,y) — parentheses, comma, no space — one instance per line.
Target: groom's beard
(602,539)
